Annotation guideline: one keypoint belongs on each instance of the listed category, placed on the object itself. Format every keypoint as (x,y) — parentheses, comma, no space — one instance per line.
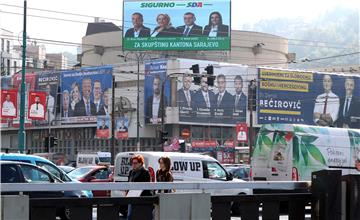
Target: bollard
(326,195)
(14,207)
(351,193)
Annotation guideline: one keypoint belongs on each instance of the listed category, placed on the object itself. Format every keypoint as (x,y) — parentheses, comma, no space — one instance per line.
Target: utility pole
(138,104)
(113,125)
(162,111)
(21,134)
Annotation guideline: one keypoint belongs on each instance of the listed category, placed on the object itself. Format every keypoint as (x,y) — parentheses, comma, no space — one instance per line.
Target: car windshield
(79,172)
(215,171)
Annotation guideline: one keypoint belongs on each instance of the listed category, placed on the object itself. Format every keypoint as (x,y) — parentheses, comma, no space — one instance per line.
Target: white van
(285,152)
(184,166)
(91,159)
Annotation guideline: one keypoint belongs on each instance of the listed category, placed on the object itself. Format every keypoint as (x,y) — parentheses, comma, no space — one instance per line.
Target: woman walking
(163,174)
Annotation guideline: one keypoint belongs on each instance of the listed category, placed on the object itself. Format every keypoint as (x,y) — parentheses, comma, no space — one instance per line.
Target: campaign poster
(176,25)
(30,85)
(242,133)
(223,103)
(294,97)
(37,105)
(86,94)
(49,82)
(155,102)
(122,128)
(103,127)
(8,103)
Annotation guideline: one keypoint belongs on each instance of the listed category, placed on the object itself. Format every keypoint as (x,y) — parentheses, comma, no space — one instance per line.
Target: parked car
(43,163)
(20,172)
(239,172)
(94,174)
(92,159)
(67,169)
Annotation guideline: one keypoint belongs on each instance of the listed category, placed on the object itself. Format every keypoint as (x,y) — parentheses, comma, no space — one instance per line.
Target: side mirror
(229,176)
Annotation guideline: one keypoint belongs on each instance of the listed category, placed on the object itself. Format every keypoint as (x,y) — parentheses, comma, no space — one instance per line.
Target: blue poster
(155,102)
(311,98)
(86,94)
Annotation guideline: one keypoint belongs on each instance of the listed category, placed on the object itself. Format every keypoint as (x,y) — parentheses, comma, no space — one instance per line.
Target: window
(33,175)
(2,45)
(213,170)
(8,46)
(8,66)
(51,169)
(215,132)
(9,174)
(102,174)
(197,132)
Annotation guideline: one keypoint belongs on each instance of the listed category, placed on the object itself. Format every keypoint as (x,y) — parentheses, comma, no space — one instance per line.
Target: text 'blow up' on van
(285,152)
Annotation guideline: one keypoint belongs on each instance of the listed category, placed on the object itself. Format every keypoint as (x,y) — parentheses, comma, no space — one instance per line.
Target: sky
(243,12)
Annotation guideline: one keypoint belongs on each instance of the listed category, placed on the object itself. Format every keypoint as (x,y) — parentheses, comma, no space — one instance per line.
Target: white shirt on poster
(332,105)
(37,110)
(155,106)
(8,108)
(214,31)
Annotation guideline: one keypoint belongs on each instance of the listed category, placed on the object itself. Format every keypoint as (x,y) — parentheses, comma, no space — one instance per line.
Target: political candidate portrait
(240,98)
(327,104)
(8,107)
(184,95)
(224,100)
(138,29)
(37,109)
(189,29)
(85,107)
(349,111)
(164,28)
(216,28)
(66,109)
(155,106)
(204,98)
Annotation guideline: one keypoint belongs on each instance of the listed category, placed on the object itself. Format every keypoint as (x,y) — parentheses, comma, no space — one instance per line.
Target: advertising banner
(122,128)
(155,102)
(8,103)
(176,25)
(203,146)
(224,103)
(242,132)
(37,105)
(30,85)
(103,127)
(308,98)
(173,146)
(226,157)
(49,83)
(86,94)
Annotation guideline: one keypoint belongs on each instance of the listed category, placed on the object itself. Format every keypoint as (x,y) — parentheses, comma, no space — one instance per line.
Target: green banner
(177,43)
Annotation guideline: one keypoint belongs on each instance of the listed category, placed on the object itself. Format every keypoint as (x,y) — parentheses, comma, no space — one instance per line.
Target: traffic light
(252,96)
(53,141)
(163,137)
(46,144)
(210,75)
(196,70)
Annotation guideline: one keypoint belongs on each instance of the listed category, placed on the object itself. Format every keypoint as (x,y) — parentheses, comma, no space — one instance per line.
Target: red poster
(103,127)
(207,143)
(242,132)
(8,103)
(37,105)
(103,133)
(226,157)
(122,135)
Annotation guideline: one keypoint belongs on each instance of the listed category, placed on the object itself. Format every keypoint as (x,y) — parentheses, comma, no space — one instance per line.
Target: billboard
(8,103)
(155,102)
(86,94)
(37,105)
(49,83)
(103,127)
(176,25)
(224,103)
(311,98)
(122,128)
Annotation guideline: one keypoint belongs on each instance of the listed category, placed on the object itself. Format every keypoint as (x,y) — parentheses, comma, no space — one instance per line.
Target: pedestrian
(138,174)
(163,174)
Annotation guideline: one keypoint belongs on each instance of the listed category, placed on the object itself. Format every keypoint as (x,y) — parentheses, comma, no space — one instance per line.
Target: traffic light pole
(49,124)
(113,125)
(21,134)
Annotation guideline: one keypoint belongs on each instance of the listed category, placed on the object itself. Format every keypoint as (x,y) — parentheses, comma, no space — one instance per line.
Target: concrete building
(35,55)
(56,61)
(10,59)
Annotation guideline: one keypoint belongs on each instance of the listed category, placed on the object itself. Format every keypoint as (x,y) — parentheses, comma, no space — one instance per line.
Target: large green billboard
(176,25)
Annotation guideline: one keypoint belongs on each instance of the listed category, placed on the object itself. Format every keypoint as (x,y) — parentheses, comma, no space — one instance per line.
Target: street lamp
(139,57)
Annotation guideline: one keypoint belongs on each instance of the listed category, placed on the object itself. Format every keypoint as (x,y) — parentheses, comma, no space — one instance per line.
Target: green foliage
(316,154)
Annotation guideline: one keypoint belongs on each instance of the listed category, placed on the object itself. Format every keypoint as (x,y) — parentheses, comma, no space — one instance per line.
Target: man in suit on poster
(85,107)
(139,30)
(190,29)
(204,98)
(349,107)
(184,95)
(240,98)
(155,106)
(224,100)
